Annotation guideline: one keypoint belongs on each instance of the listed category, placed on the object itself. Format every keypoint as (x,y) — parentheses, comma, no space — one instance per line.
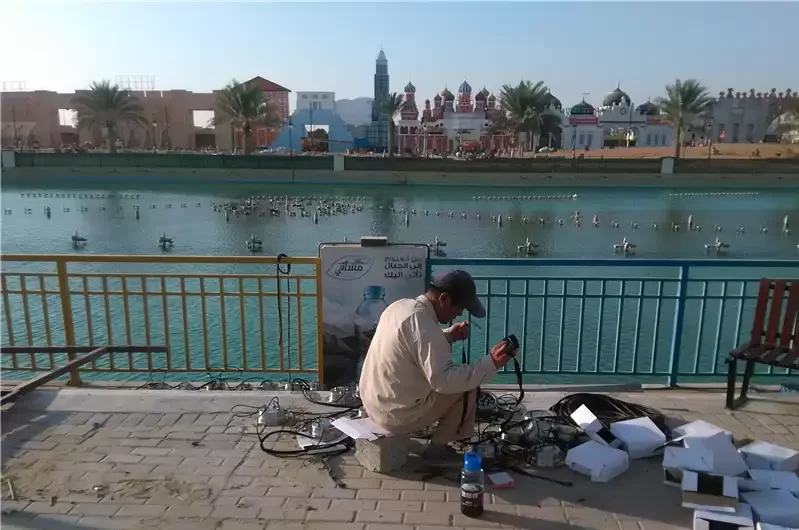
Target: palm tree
(684,101)
(522,109)
(109,107)
(391,106)
(244,105)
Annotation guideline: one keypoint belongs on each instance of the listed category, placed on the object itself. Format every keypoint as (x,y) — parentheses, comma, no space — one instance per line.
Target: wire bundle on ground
(607,408)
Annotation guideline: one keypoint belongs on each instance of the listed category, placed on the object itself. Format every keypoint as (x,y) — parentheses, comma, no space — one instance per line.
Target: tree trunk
(112,141)
(391,138)
(678,139)
(246,130)
(247,142)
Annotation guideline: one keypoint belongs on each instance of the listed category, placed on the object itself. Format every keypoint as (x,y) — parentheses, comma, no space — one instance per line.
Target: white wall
(316,100)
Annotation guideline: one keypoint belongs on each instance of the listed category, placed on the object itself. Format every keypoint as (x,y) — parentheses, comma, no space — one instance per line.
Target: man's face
(448,309)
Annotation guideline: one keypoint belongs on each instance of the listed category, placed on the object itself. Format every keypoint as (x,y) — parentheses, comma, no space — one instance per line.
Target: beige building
(40,118)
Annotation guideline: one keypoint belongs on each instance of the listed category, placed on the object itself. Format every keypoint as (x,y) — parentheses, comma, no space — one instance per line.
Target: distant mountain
(356,111)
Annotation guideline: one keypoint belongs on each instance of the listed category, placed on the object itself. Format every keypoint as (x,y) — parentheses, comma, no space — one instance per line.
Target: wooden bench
(775,336)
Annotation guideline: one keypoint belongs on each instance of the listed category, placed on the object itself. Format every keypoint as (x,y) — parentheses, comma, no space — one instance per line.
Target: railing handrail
(155,258)
(613,262)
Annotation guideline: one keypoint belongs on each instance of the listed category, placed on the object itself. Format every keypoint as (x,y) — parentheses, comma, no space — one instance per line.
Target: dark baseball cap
(460,286)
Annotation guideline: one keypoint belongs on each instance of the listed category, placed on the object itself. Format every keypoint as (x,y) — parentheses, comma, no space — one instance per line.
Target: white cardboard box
(598,461)
(778,507)
(727,460)
(740,520)
(594,428)
(704,491)
(678,459)
(763,455)
(776,480)
(698,429)
(766,526)
(640,436)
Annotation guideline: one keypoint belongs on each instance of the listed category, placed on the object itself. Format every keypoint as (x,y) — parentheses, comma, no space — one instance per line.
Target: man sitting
(409,381)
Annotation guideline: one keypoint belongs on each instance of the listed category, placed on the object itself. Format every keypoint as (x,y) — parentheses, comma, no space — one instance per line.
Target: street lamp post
(291,149)
(155,129)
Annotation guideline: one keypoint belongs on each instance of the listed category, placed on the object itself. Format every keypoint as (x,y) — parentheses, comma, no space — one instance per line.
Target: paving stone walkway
(170,460)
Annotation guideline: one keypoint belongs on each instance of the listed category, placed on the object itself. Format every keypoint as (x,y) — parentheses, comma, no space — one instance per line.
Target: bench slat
(760,310)
(791,310)
(757,352)
(772,356)
(776,312)
(791,359)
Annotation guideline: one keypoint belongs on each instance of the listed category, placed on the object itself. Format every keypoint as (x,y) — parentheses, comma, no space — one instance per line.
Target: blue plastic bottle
(368,314)
(472,485)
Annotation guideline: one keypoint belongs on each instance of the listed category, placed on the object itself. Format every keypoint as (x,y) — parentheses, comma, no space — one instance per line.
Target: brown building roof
(267,85)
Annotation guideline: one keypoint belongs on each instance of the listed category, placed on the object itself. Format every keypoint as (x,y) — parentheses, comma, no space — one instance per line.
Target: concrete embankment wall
(47,176)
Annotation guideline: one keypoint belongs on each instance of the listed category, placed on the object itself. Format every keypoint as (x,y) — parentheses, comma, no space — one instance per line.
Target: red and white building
(451,123)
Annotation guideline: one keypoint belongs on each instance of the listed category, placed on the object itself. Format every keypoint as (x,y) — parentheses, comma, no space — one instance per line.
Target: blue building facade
(338,135)
(378,130)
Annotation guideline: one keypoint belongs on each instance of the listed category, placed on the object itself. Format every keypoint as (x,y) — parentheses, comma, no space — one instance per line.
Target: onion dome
(465,88)
(552,101)
(427,101)
(615,98)
(648,109)
(409,88)
(582,109)
(492,97)
(447,95)
(481,96)
(484,92)
(437,99)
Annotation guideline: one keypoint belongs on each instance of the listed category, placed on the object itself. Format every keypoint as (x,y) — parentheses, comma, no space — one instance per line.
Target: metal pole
(310,125)
(14,119)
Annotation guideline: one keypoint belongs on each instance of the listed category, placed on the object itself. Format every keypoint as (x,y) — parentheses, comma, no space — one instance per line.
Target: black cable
(278,272)
(608,409)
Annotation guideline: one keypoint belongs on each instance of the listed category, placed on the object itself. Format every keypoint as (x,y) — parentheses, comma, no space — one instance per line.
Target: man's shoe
(441,455)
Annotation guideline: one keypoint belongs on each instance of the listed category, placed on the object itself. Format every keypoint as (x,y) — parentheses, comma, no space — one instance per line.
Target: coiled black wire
(607,409)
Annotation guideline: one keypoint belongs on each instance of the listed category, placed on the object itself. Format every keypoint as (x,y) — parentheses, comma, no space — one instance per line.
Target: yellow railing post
(66,311)
(320,335)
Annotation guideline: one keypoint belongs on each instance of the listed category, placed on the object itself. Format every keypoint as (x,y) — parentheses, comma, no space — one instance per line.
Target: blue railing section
(618,320)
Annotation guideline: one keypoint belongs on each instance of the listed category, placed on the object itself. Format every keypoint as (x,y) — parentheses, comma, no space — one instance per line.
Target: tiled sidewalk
(162,460)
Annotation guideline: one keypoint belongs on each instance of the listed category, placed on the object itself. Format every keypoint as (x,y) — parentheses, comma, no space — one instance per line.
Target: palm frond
(109,106)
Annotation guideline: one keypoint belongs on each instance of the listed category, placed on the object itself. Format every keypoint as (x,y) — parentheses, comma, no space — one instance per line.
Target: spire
(381,57)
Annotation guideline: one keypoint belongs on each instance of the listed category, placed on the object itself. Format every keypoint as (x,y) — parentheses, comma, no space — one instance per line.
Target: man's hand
(459,331)
(502,353)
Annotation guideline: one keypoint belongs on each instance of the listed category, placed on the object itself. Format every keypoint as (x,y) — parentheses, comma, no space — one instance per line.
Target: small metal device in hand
(513,342)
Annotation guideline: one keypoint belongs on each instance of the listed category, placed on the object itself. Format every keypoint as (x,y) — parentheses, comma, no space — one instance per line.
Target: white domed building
(615,124)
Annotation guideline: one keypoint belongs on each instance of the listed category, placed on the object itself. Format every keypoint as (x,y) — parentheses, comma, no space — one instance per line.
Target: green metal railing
(619,320)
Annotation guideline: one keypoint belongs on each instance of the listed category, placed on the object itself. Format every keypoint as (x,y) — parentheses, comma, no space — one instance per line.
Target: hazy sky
(573,47)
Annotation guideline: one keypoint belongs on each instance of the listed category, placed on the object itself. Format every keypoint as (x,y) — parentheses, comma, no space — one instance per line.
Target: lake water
(106,217)
(184,213)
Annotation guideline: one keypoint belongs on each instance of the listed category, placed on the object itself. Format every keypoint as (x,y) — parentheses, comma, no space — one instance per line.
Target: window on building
(750,132)
(663,139)
(325,96)
(305,96)
(648,139)
(582,139)
(316,96)
(590,140)
(736,130)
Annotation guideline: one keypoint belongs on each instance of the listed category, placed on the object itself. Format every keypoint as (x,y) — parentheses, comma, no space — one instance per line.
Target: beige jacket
(409,360)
